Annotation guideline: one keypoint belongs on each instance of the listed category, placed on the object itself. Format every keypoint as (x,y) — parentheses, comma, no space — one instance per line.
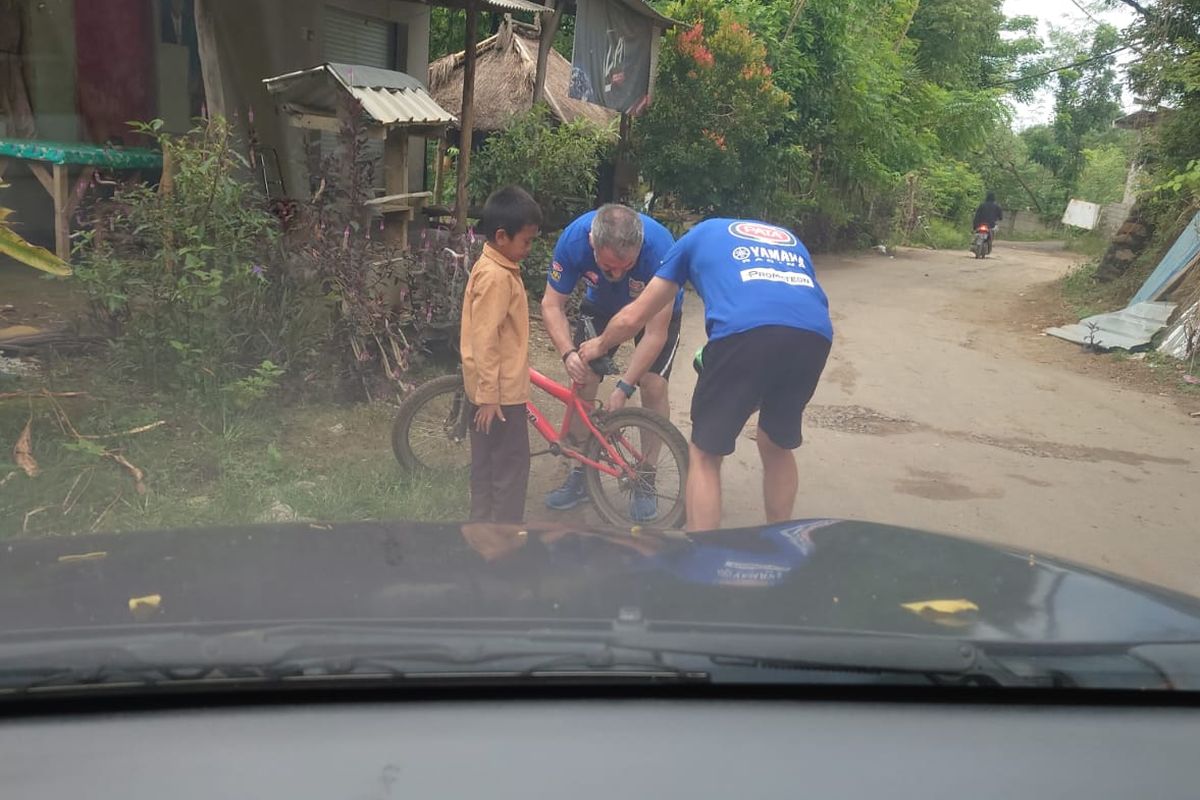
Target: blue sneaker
(643,506)
(643,501)
(570,494)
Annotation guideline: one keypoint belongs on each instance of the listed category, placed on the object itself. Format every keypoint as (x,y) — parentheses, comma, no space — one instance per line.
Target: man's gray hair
(617,228)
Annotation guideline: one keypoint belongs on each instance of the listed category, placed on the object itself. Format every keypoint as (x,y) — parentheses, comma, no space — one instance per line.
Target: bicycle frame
(575,407)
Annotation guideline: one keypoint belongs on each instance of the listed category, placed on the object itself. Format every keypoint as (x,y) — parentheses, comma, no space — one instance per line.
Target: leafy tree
(1167,37)
(1087,100)
(1018,181)
(883,93)
(1043,147)
(707,137)
(960,43)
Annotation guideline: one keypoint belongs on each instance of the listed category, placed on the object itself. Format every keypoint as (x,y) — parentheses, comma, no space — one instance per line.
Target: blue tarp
(1182,253)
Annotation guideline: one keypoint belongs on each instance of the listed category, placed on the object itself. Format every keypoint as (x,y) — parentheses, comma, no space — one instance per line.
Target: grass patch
(938,234)
(1175,371)
(1087,296)
(1088,243)
(205,467)
(944,235)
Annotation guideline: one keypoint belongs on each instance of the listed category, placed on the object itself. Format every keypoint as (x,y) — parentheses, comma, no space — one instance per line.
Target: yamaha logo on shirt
(764,234)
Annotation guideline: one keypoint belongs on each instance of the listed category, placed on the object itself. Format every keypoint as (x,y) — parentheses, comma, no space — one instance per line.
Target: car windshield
(656,341)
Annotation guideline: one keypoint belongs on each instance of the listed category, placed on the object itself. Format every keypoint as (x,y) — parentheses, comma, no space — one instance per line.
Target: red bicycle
(629,451)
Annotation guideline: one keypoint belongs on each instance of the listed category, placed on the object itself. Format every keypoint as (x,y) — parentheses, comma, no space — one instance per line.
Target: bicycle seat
(604,366)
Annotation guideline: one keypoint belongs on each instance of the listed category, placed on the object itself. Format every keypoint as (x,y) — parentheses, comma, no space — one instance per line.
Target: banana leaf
(15,247)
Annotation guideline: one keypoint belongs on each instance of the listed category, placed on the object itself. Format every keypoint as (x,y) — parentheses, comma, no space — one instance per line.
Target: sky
(1061,13)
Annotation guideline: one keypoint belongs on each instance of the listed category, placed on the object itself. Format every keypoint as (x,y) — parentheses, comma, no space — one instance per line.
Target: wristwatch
(626,388)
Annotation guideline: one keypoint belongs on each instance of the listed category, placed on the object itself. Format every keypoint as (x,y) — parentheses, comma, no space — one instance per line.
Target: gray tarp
(610,65)
(1128,329)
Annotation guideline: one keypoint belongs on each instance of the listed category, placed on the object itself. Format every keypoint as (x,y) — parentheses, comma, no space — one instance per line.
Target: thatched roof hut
(504,80)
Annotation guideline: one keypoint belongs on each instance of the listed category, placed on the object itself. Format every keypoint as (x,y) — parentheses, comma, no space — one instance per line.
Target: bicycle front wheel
(432,430)
(658,453)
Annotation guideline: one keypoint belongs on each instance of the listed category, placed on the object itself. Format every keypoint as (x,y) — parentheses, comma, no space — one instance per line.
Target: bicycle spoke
(658,474)
(430,436)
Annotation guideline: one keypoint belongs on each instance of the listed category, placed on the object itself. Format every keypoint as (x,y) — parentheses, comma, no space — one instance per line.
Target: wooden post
(467,120)
(439,171)
(395,181)
(210,61)
(545,44)
(62,216)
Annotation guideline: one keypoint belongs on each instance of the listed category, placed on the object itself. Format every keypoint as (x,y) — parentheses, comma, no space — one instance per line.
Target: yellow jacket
(495,332)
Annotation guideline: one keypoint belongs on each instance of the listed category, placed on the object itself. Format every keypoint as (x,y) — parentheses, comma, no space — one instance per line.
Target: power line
(1080,6)
(1036,75)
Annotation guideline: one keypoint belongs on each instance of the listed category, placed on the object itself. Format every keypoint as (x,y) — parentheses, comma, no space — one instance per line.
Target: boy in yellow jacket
(495,354)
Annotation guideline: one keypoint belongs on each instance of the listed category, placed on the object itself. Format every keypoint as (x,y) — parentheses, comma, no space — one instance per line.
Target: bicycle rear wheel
(431,432)
(657,450)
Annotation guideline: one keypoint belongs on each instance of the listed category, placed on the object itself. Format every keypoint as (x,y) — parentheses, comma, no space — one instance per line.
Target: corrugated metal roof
(646,10)
(387,97)
(517,5)
(392,107)
(1128,329)
(361,76)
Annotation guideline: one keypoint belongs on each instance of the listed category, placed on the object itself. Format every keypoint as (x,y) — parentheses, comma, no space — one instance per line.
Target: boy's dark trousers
(500,467)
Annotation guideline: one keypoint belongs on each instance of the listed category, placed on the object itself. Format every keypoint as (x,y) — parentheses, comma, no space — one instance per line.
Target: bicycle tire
(673,441)
(424,395)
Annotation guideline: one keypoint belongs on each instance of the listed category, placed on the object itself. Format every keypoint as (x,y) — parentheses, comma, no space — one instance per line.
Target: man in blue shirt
(615,251)
(769,335)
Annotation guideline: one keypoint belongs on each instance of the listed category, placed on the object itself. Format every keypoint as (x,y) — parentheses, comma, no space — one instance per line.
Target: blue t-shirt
(574,259)
(749,274)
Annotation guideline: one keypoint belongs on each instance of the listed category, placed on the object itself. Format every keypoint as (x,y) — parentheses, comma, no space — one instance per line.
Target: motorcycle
(981,245)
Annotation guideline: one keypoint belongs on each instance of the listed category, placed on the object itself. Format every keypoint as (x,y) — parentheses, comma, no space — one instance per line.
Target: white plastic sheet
(1082,214)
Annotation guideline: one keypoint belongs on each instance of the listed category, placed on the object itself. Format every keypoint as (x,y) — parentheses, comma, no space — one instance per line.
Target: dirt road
(943,407)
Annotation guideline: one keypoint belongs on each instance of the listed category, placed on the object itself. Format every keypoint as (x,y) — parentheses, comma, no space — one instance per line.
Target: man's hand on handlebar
(578,369)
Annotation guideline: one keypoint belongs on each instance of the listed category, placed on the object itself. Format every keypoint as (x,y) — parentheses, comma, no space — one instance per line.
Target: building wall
(1112,217)
(257,39)
(1022,222)
(51,51)
(275,37)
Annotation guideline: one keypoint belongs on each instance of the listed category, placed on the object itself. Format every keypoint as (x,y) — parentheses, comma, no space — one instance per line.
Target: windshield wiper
(297,654)
(247,659)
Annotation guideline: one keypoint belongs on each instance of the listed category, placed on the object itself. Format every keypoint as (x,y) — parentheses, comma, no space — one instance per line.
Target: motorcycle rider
(989,213)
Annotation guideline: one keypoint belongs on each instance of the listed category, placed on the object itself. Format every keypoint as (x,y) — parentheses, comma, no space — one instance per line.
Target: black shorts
(773,369)
(666,357)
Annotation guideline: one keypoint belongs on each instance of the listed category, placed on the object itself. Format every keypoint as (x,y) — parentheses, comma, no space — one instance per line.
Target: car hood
(834,574)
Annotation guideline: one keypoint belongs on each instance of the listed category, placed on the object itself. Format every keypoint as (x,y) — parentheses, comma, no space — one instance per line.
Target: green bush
(1104,172)
(947,235)
(535,267)
(182,274)
(952,190)
(557,164)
